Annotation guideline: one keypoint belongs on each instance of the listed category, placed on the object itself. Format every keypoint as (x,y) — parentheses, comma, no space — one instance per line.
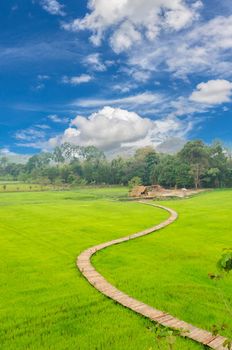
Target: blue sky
(118,74)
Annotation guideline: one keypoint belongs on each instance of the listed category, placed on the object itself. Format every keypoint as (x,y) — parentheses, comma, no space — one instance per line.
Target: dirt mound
(157,191)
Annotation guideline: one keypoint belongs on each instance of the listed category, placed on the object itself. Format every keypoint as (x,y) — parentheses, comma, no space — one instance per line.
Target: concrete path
(164,319)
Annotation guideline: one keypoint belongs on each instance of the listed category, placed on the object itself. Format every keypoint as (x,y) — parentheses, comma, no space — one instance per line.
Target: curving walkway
(101,284)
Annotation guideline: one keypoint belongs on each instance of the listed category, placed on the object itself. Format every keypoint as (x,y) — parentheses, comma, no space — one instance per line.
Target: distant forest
(196,165)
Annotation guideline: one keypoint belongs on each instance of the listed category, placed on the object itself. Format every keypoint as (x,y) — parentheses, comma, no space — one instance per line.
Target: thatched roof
(155,188)
(138,191)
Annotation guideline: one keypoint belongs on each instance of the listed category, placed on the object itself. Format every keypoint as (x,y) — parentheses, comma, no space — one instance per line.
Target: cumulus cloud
(132,20)
(112,129)
(213,92)
(53,7)
(77,80)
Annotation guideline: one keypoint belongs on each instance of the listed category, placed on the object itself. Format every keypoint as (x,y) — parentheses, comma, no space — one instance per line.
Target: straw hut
(138,191)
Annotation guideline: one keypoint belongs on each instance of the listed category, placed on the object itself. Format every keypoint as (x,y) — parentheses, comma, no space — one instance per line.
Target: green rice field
(45,303)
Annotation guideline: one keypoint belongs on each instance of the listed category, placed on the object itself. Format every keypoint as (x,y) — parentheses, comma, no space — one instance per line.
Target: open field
(17,186)
(172,266)
(46,303)
(14,186)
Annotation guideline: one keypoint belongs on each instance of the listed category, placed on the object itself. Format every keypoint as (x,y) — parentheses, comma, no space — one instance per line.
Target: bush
(135,181)
(225,262)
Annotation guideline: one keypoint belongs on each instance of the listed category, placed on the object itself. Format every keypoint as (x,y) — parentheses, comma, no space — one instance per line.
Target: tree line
(196,165)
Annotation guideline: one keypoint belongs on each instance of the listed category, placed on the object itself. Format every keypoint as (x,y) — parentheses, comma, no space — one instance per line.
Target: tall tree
(195,153)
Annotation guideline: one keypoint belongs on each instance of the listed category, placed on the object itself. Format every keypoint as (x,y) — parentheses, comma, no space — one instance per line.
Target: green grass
(45,303)
(91,191)
(14,186)
(172,265)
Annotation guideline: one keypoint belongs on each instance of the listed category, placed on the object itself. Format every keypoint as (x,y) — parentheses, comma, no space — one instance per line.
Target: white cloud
(33,137)
(77,80)
(112,129)
(204,49)
(57,119)
(30,134)
(42,126)
(135,100)
(132,20)
(207,48)
(5,152)
(53,7)
(124,87)
(213,92)
(139,75)
(178,17)
(218,30)
(182,106)
(125,37)
(14,157)
(94,62)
